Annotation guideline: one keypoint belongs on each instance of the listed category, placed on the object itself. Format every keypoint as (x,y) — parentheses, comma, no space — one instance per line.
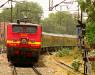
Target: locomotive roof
(25,24)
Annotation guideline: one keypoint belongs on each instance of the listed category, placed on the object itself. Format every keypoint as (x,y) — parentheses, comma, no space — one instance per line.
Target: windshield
(24,29)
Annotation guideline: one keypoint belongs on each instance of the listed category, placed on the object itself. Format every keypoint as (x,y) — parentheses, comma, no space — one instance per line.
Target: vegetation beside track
(72,57)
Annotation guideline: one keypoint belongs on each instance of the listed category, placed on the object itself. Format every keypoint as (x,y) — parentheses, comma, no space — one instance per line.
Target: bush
(92,53)
(76,64)
(63,52)
(90,33)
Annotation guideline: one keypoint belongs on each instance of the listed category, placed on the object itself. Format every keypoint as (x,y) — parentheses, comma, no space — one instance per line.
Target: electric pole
(81,35)
(50,5)
(11,10)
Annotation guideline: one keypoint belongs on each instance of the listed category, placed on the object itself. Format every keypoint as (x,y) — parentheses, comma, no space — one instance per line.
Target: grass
(63,52)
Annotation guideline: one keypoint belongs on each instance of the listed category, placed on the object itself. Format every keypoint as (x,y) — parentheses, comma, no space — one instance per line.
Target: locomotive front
(23,42)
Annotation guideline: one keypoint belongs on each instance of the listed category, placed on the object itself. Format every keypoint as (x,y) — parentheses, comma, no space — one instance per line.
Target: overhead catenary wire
(11,7)
(63,2)
(4,4)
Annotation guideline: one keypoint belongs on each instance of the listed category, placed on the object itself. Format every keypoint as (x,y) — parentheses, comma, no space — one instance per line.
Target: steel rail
(36,71)
(14,72)
(69,68)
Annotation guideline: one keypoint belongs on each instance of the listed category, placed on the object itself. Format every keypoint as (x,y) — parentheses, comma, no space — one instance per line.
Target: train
(24,42)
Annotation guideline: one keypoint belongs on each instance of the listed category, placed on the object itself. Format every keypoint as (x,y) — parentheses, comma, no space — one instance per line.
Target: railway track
(19,71)
(15,71)
(70,69)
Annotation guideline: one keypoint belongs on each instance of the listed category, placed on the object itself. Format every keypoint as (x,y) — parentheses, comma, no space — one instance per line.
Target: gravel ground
(51,67)
(4,67)
(45,66)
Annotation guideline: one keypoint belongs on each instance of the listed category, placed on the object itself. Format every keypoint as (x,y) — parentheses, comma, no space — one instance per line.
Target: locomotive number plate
(23,35)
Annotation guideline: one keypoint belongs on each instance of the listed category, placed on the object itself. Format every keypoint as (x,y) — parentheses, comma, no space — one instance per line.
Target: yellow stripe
(17,42)
(10,41)
(34,42)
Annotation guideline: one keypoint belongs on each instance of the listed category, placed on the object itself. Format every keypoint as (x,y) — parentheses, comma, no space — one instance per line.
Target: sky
(45,5)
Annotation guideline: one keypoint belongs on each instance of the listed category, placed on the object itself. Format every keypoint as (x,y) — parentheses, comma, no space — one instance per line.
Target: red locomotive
(23,42)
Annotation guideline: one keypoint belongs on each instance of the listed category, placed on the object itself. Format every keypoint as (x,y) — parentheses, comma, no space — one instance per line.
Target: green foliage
(59,22)
(26,9)
(82,4)
(92,53)
(76,64)
(90,32)
(88,6)
(63,52)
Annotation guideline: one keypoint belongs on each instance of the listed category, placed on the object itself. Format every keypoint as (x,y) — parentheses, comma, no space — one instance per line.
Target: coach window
(31,29)
(17,29)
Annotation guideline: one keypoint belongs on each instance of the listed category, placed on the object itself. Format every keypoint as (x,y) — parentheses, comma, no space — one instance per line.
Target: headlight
(24,41)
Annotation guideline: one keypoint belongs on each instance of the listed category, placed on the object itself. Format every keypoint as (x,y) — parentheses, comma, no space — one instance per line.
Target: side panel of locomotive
(23,42)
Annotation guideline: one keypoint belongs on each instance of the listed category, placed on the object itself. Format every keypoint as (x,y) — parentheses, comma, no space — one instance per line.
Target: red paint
(16,42)
(18,36)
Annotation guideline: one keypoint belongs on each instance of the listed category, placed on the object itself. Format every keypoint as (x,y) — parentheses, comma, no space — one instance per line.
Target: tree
(59,22)
(88,6)
(31,10)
